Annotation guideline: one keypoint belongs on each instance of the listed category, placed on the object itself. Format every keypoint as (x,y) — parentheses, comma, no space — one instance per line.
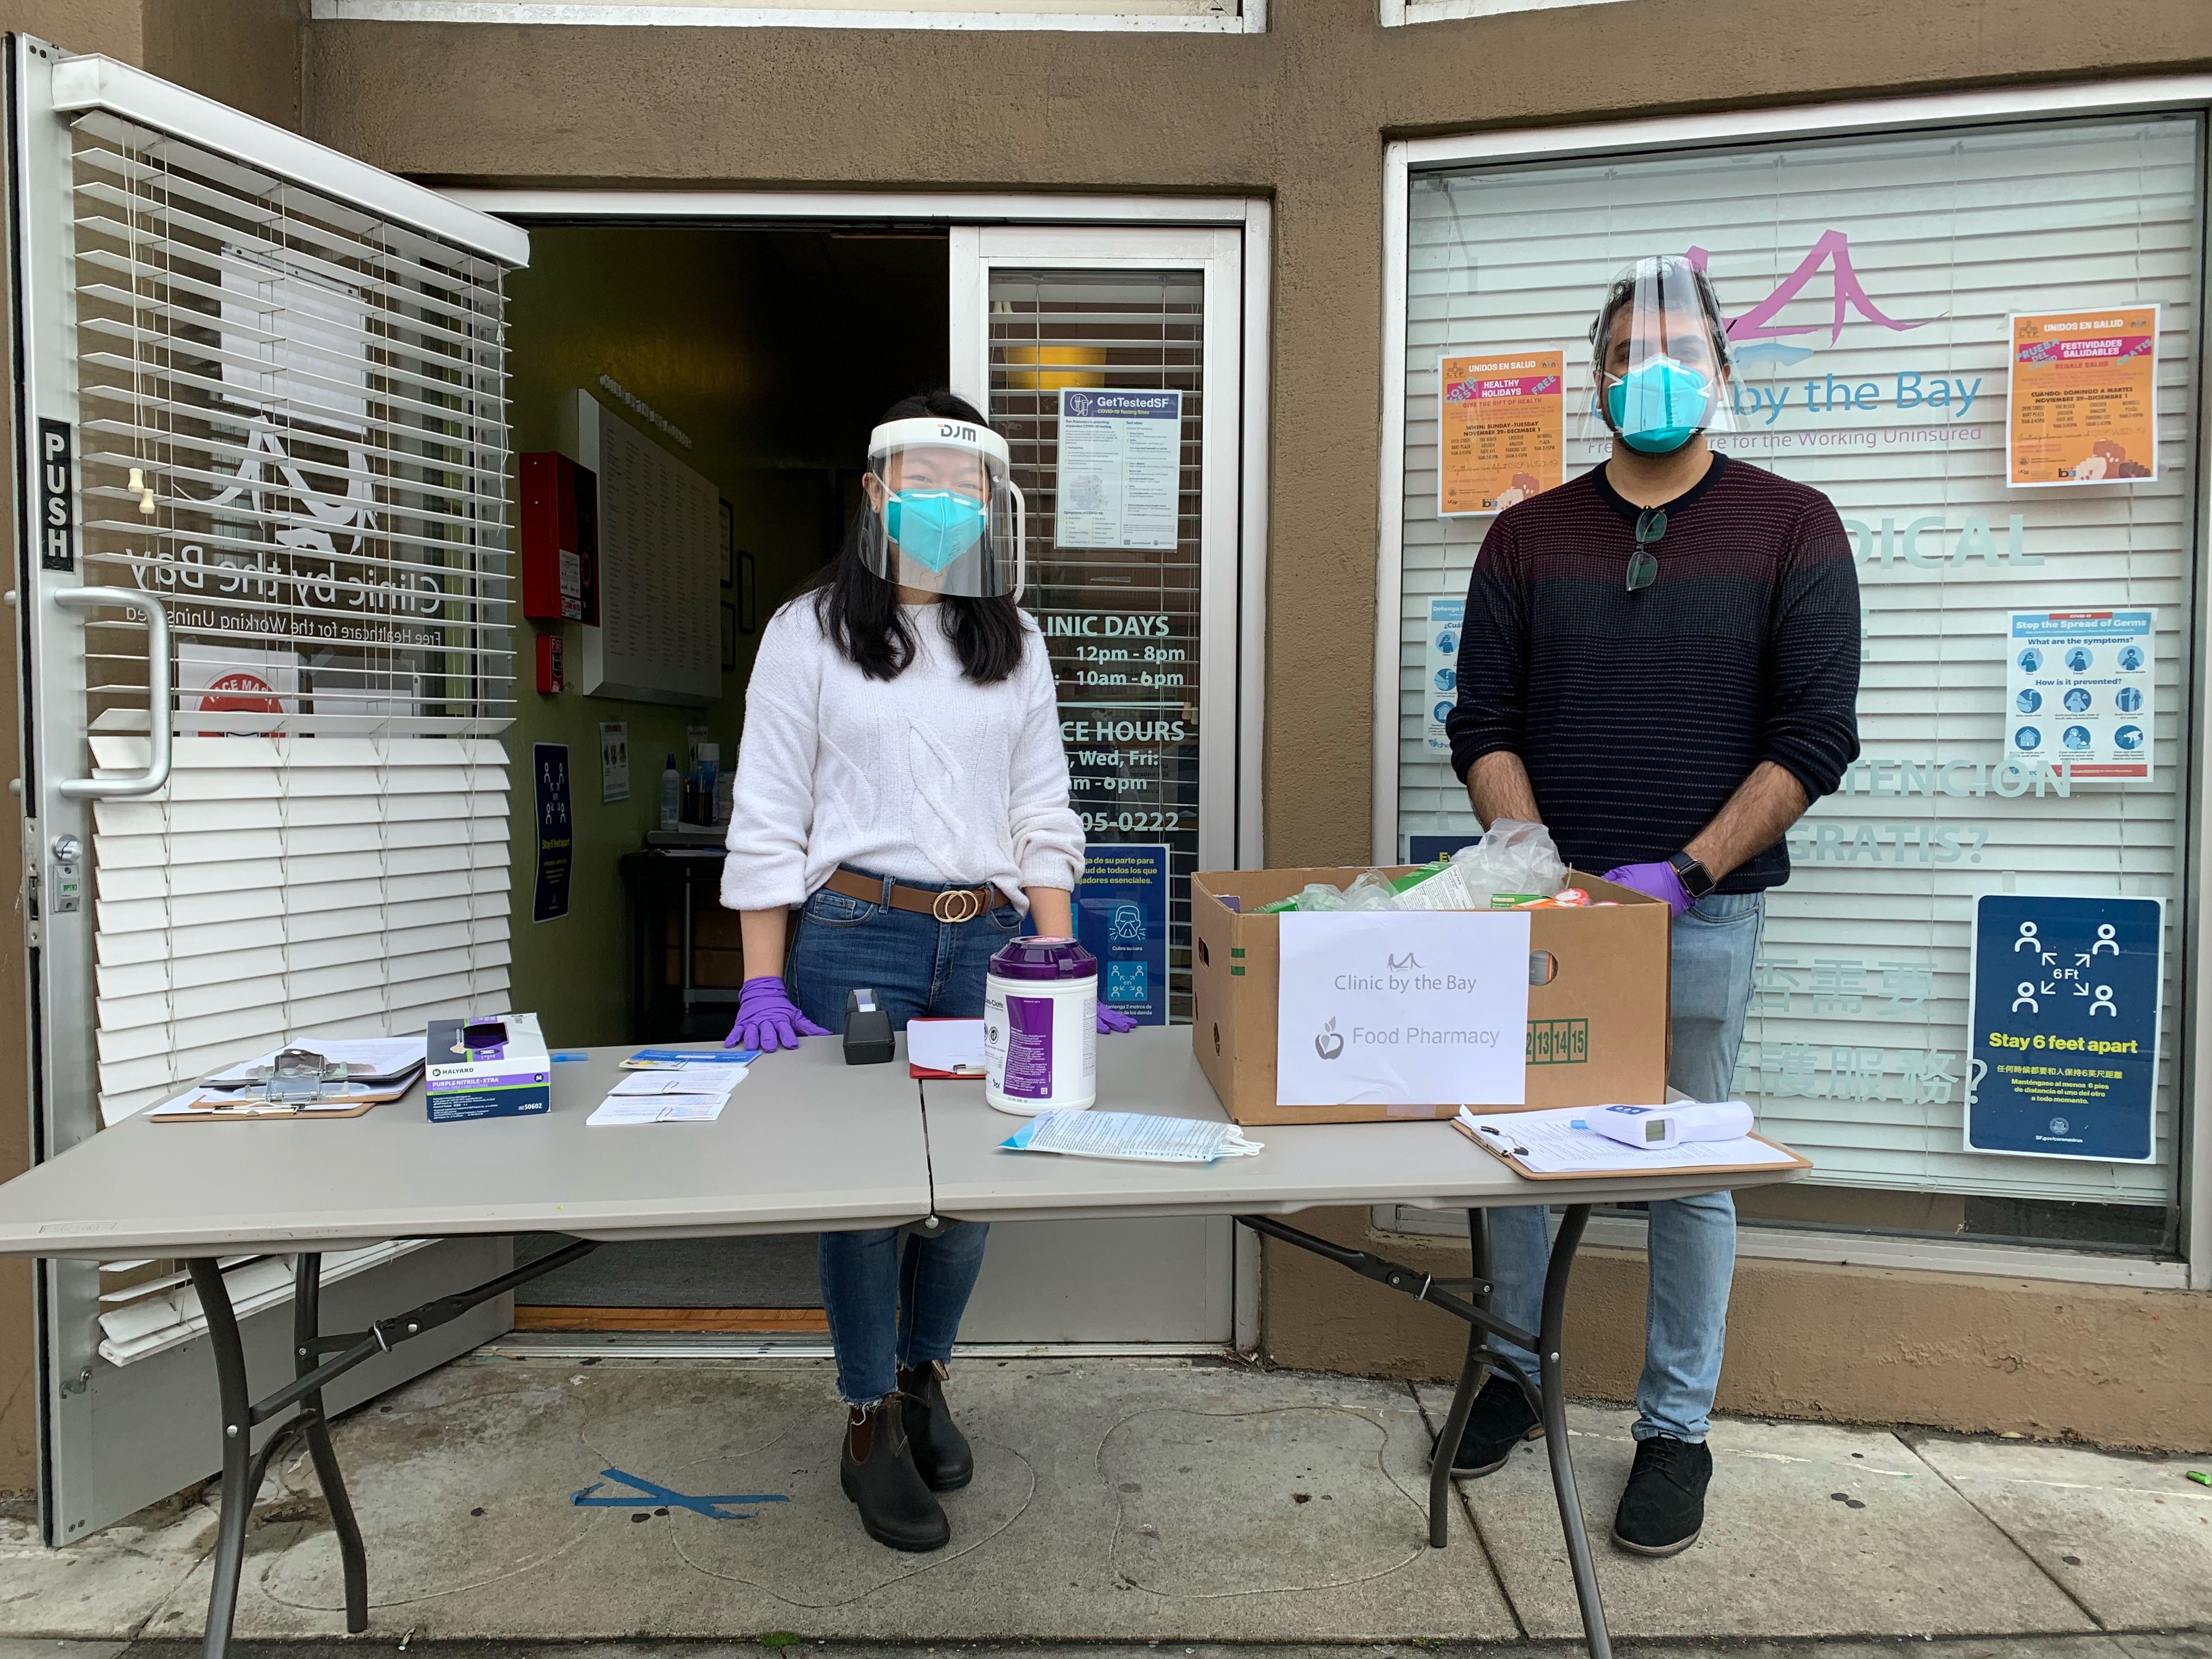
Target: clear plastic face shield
(940,512)
(1659,357)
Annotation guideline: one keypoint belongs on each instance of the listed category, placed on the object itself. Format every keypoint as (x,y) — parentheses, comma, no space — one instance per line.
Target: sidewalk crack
(1474,1522)
(2027,1554)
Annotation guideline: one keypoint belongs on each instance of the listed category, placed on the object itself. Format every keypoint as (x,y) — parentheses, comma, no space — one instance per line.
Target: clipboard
(1796,1161)
(260,1111)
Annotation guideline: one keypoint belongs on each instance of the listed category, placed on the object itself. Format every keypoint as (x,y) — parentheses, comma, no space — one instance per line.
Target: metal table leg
(1551,1375)
(244,1469)
(1473,1370)
(1549,1398)
(307,1336)
(237,1449)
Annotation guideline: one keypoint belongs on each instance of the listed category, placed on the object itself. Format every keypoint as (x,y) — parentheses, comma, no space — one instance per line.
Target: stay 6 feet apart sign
(2065,1010)
(1402,1008)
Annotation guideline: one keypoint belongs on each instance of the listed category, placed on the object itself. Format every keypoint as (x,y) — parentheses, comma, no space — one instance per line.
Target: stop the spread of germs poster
(2083,408)
(1501,429)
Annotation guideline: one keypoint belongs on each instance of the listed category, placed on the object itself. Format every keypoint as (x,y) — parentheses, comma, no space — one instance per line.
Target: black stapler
(867,1030)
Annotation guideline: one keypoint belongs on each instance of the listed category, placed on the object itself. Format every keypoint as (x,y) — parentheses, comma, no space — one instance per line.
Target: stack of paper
(945,1048)
(687,1093)
(1549,1143)
(239,1102)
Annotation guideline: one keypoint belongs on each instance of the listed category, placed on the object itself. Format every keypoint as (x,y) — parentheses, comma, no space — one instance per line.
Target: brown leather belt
(949,904)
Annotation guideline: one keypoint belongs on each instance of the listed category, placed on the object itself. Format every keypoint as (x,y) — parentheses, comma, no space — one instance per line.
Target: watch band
(1696,881)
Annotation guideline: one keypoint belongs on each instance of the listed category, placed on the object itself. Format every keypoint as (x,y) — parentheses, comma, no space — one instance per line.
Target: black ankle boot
(940,1450)
(877,1473)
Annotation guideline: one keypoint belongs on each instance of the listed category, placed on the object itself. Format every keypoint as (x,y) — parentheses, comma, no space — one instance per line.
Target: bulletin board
(658,639)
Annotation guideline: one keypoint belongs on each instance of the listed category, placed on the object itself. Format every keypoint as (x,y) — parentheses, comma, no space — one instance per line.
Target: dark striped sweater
(1638,715)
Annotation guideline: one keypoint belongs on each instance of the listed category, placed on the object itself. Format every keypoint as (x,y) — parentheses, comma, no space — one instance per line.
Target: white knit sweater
(929,777)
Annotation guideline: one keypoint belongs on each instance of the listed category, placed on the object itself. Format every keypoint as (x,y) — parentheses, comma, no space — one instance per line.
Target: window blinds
(293,429)
(1907,252)
(287,887)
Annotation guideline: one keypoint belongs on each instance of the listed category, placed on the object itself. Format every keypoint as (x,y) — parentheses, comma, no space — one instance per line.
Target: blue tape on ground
(656,1497)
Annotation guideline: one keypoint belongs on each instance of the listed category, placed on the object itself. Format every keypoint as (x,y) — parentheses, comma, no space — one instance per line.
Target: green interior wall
(774,351)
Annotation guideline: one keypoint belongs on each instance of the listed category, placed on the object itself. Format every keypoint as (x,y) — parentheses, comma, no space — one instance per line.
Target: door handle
(159,689)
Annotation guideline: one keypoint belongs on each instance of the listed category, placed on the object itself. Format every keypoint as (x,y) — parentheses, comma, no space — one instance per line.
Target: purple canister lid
(1044,958)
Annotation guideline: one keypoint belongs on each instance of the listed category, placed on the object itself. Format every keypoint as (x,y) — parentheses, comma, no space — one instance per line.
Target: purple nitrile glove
(1656,881)
(767,1019)
(1113,1019)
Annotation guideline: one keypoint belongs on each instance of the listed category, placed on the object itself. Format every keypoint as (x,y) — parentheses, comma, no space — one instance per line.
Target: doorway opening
(757,357)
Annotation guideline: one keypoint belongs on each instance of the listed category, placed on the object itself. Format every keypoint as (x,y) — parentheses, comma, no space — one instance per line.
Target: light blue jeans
(1693,1240)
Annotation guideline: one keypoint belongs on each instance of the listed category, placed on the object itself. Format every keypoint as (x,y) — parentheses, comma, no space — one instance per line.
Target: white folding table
(1424,1163)
(806,1144)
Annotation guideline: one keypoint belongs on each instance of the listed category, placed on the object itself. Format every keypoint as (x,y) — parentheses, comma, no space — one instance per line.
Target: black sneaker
(1663,1510)
(1502,1420)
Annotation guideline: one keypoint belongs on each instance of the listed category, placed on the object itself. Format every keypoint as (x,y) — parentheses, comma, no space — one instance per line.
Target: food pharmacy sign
(1402,1009)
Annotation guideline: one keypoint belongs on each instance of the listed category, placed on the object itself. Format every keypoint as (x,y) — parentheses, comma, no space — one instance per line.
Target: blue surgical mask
(1659,406)
(933,527)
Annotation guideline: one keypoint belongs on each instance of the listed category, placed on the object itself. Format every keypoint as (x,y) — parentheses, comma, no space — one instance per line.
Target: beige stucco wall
(2098,1363)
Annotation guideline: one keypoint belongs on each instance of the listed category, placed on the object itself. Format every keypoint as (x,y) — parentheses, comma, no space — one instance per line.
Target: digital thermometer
(1656,1128)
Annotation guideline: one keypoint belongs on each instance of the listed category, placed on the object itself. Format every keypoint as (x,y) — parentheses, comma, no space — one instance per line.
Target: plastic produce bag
(1514,856)
(1369,891)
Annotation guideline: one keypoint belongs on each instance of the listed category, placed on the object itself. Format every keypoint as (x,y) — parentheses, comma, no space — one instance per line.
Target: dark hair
(1623,289)
(859,612)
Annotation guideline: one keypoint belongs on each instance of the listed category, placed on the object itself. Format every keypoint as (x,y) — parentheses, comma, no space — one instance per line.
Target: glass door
(266,669)
(1111,359)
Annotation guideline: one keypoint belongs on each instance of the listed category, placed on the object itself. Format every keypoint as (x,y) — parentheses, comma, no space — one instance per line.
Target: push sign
(2065,1027)
(57,497)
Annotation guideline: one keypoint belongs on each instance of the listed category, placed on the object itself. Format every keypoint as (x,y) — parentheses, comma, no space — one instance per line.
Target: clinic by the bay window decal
(1980,343)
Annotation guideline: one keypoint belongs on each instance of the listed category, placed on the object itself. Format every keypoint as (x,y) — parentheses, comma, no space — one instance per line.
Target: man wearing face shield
(1660,662)
(902,787)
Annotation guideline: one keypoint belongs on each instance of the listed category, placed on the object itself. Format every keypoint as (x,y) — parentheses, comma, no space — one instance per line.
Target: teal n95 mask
(1659,357)
(940,512)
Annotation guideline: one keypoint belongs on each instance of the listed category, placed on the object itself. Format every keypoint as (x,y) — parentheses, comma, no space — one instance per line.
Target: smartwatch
(1695,882)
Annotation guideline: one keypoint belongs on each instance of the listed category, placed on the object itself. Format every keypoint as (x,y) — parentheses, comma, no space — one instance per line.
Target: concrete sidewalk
(1125,1501)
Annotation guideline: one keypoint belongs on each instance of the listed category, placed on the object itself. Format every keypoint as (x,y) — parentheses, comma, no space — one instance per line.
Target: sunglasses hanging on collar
(1644,564)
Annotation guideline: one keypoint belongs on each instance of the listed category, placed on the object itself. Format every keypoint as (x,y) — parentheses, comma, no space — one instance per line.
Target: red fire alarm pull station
(560,539)
(551,677)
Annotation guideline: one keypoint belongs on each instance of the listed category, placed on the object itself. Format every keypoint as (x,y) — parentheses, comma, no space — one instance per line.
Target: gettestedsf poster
(2083,404)
(1501,435)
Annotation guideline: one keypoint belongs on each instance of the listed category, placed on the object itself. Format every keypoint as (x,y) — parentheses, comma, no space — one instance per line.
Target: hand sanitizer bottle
(671,795)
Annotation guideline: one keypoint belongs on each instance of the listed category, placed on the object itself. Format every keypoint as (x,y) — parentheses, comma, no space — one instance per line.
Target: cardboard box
(474,1071)
(1597,1000)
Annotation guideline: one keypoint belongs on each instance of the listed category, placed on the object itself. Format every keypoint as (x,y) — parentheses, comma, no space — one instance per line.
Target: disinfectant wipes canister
(1041,1027)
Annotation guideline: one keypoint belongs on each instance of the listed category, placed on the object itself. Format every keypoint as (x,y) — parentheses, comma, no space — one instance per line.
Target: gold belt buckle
(956,904)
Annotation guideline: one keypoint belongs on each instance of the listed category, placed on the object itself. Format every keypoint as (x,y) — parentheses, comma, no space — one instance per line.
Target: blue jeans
(890,1305)
(1693,1240)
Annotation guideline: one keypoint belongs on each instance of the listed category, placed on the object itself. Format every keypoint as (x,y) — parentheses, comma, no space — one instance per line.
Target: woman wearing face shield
(901,784)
